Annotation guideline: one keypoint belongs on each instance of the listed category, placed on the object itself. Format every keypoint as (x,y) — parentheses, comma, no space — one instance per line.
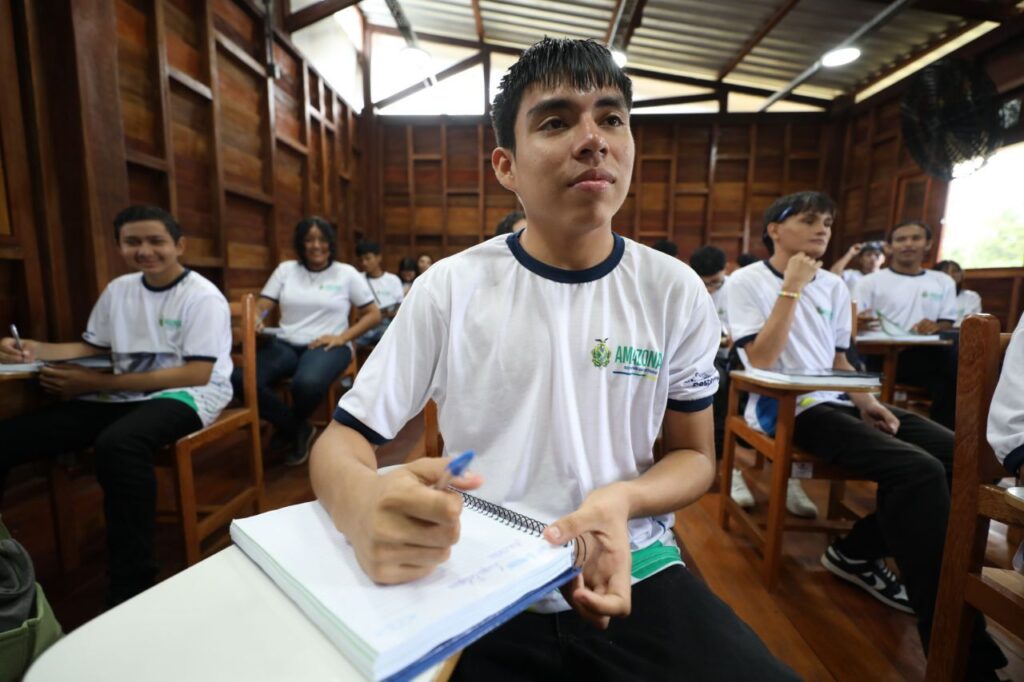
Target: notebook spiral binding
(519,522)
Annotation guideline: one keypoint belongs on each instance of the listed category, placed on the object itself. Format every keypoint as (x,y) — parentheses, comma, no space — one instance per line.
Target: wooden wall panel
(192,142)
(697,180)
(137,77)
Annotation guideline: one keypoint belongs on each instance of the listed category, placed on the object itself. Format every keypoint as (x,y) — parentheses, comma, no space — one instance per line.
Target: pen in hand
(17,340)
(454,469)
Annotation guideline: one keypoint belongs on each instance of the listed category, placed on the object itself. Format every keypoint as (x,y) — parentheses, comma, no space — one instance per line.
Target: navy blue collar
(903,274)
(566,276)
(166,286)
(776,272)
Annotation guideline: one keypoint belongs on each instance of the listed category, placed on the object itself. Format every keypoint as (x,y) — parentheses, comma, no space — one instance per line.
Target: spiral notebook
(499,567)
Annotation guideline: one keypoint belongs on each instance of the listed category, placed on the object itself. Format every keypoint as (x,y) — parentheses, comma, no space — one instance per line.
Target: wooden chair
(966,589)
(197,521)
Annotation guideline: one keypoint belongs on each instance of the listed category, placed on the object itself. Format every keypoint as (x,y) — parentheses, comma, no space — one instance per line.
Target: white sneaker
(797,501)
(740,492)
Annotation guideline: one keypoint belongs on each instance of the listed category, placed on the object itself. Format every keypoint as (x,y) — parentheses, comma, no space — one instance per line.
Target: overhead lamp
(843,55)
(619,57)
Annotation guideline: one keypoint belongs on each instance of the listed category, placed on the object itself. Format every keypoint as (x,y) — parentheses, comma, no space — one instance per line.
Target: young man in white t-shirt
(863,259)
(557,353)
(168,332)
(386,288)
(906,298)
(789,313)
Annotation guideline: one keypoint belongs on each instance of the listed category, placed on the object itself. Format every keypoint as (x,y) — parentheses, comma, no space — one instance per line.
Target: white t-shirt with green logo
(905,300)
(559,380)
(820,329)
(148,328)
(315,303)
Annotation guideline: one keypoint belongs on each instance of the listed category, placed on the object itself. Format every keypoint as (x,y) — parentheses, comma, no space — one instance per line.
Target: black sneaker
(873,576)
(303,444)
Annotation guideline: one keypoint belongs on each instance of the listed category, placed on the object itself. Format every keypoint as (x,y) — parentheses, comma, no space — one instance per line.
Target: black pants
(933,368)
(125,436)
(913,470)
(678,630)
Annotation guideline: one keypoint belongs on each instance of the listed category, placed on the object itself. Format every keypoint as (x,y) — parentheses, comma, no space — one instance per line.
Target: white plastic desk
(222,619)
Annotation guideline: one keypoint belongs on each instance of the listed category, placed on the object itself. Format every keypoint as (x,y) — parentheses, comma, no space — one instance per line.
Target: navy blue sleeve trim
(740,343)
(690,405)
(1014,460)
(269,298)
(95,345)
(203,358)
(943,319)
(841,350)
(343,417)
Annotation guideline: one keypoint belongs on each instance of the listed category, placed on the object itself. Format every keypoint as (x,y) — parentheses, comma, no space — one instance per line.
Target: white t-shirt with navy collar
(905,300)
(820,329)
(315,303)
(148,328)
(559,380)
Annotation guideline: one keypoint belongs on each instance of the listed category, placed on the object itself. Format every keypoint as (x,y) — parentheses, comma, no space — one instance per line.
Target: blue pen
(454,469)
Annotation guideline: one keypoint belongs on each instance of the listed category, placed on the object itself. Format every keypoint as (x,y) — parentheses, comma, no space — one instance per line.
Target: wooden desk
(889,349)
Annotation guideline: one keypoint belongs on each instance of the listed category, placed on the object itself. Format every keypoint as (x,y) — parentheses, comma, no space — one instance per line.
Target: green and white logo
(601,355)
(167,322)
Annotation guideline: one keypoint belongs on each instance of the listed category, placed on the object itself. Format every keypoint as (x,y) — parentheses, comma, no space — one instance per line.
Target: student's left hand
(68,382)
(878,415)
(328,341)
(603,589)
(926,327)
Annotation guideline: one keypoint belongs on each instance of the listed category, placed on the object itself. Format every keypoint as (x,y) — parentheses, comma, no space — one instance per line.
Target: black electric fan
(951,115)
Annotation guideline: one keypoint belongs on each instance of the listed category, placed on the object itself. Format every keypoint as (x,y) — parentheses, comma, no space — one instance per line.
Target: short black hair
(745,259)
(707,261)
(919,223)
(506,224)
(868,247)
(367,246)
(795,204)
(666,246)
(583,64)
(139,212)
(303,227)
(944,265)
(407,263)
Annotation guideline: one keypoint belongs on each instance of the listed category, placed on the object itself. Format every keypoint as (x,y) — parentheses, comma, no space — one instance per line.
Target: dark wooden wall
(881,185)
(174,103)
(696,180)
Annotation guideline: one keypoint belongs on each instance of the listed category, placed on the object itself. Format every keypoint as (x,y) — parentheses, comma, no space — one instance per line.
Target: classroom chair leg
(187,508)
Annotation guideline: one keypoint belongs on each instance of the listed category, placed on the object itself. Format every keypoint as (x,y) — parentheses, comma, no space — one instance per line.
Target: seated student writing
(557,353)
(709,263)
(386,288)
(168,332)
(907,298)
(789,313)
(967,302)
(863,259)
(315,294)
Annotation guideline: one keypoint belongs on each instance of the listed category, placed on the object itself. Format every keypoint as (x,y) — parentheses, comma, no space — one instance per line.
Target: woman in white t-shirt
(967,302)
(311,346)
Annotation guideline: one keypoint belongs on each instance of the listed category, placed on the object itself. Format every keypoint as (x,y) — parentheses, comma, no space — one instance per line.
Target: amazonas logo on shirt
(933,295)
(169,322)
(629,360)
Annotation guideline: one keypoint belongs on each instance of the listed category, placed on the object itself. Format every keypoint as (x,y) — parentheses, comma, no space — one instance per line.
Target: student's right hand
(799,271)
(406,528)
(868,321)
(9,353)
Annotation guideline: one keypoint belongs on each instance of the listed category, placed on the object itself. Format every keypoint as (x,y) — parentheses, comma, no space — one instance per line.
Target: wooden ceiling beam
(452,70)
(314,13)
(611,23)
(724,87)
(478,19)
(679,99)
(634,24)
(754,40)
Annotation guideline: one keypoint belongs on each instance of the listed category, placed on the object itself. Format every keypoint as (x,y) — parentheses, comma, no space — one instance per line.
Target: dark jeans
(678,629)
(934,369)
(125,437)
(311,372)
(913,470)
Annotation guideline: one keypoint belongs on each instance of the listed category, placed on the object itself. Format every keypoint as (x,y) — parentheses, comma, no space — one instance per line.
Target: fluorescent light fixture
(619,57)
(839,57)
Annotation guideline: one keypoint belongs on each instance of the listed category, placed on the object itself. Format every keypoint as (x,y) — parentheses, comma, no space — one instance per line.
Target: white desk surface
(222,619)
